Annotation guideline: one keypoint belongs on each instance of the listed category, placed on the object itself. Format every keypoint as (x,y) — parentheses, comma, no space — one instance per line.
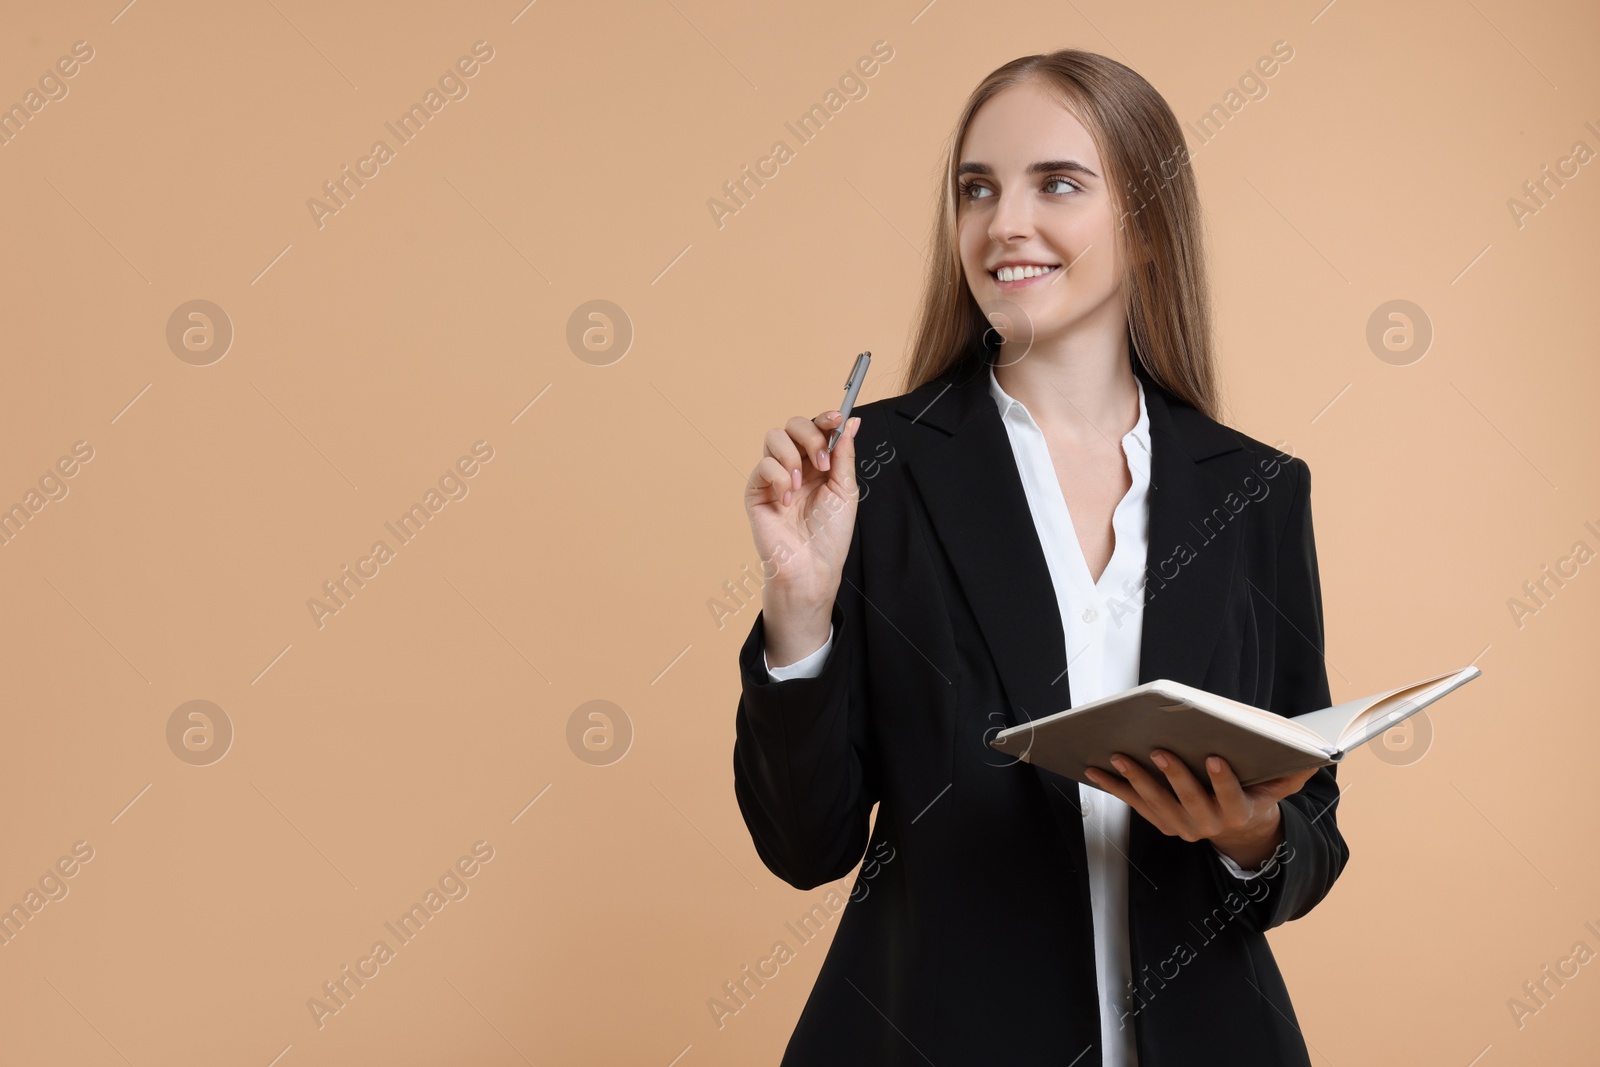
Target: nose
(1012,218)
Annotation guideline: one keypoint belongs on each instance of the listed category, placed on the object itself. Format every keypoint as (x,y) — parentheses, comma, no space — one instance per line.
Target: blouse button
(1088,615)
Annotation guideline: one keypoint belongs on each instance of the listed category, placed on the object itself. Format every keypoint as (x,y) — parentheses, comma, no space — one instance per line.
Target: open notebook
(1194,724)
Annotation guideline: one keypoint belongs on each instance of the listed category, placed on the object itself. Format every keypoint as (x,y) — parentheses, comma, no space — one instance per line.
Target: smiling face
(1035,221)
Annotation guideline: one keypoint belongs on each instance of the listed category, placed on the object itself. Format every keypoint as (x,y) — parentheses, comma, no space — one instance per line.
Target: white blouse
(1103,621)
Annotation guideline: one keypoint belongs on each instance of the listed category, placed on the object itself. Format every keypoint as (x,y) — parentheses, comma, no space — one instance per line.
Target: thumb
(1275,789)
(842,463)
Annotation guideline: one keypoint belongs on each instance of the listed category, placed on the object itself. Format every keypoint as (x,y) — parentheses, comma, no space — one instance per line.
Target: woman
(1049,514)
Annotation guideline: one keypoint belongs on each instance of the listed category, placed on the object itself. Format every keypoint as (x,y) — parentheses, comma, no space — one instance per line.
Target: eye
(967,187)
(1056,178)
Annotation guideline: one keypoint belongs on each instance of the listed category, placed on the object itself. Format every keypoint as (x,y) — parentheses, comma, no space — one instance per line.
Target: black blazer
(973,942)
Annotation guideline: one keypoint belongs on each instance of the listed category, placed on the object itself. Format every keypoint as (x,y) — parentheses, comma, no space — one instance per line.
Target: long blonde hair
(1167,294)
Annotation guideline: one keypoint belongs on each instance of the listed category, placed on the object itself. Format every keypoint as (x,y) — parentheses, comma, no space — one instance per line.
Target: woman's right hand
(801,501)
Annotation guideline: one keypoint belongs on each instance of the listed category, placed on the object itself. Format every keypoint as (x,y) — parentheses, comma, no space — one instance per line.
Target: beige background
(432,311)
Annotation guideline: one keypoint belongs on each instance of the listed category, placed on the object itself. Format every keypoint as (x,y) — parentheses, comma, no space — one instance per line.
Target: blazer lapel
(973,491)
(1193,545)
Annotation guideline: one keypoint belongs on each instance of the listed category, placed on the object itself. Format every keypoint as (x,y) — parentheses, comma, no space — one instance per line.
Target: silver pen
(857,375)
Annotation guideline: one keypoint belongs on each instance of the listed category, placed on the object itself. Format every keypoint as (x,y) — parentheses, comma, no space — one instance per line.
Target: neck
(1081,389)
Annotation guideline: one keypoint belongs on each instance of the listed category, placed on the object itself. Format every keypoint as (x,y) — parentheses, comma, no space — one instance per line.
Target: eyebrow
(1044,167)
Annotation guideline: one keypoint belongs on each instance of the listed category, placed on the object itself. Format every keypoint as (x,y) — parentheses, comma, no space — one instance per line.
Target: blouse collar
(1010,407)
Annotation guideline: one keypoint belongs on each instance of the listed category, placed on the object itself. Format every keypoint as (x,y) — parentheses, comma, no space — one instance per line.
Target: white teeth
(1016,274)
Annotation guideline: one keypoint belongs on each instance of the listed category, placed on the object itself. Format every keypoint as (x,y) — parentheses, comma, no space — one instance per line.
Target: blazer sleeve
(1313,852)
(804,768)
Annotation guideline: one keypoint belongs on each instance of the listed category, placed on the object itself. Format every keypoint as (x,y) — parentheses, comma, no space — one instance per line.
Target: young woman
(1049,514)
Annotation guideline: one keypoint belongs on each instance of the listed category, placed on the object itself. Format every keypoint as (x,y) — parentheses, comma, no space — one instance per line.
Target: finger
(1236,807)
(1109,782)
(827,422)
(810,436)
(769,481)
(780,446)
(1194,797)
(1155,794)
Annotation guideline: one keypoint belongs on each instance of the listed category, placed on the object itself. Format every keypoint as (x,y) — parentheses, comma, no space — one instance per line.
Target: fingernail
(1116,761)
(822,459)
(1160,760)
(855,424)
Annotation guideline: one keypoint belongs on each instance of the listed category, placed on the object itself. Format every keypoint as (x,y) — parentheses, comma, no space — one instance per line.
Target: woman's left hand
(1243,824)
